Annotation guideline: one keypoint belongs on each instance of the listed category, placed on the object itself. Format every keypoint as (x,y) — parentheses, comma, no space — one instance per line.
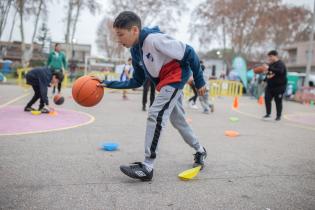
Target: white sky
(87,25)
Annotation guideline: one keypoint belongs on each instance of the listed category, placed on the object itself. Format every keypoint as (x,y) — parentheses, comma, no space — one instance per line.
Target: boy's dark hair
(127,19)
(272,52)
(58,75)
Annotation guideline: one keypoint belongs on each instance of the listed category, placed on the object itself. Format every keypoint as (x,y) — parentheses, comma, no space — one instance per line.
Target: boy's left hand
(202,91)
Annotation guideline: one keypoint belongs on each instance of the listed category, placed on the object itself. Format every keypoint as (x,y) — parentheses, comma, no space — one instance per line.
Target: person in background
(57,63)
(276,78)
(125,76)
(204,100)
(40,79)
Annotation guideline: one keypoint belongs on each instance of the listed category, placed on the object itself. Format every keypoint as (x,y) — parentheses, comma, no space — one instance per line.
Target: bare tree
(288,24)
(12,26)
(23,10)
(37,8)
(106,40)
(74,10)
(244,22)
(250,25)
(5,7)
(163,13)
(26,9)
(43,35)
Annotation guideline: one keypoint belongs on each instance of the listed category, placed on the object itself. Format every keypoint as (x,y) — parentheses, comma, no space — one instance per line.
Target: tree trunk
(75,24)
(23,49)
(68,27)
(30,51)
(12,28)
(5,17)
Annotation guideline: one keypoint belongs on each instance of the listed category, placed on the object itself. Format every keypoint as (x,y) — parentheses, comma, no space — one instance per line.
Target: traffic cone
(235,103)
(261,100)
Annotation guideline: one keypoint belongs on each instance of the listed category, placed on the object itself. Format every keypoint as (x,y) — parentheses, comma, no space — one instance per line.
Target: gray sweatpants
(167,105)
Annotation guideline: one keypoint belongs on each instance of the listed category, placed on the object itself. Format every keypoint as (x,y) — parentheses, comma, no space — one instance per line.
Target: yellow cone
(190,173)
(35,112)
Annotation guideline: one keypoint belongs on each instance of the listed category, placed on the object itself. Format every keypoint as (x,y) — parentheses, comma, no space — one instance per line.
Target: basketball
(259,69)
(86,92)
(59,99)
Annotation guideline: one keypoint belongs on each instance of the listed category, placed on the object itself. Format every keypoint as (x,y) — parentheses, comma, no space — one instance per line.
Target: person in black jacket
(276,79)
(40,79)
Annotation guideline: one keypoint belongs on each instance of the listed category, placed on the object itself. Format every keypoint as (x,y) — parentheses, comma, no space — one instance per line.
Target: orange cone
(261,100)
(235,102)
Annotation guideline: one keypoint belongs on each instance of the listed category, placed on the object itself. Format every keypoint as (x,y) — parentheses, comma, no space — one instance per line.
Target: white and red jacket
(164,60)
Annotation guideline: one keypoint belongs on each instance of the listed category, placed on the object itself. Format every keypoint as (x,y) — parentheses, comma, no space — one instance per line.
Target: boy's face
(54,80)
(272,58)
(127,37)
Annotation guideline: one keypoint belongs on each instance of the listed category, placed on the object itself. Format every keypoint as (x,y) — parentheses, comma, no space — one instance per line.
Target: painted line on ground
(14,100)
(297,125)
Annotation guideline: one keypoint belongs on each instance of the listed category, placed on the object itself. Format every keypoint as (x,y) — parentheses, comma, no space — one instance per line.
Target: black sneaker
(29,109)
(137,170)
(44,111)
(266,117)
(278,118)
(200,158)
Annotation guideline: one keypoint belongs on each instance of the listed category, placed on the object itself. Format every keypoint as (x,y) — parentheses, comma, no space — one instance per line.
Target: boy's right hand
(101,85)
(97,78)
(202,90)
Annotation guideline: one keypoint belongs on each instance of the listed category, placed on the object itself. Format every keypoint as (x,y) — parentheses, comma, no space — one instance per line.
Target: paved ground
(270,166)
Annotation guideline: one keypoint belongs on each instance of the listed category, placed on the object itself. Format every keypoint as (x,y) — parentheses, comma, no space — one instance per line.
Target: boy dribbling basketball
(168,64)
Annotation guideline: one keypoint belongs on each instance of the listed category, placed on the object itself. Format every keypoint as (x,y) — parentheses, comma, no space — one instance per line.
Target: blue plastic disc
(109,146)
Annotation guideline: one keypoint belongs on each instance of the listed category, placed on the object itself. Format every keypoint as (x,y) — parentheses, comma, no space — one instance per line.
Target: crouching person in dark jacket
(40,79)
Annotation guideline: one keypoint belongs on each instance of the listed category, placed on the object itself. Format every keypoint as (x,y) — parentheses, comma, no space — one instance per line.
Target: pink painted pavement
(13,120)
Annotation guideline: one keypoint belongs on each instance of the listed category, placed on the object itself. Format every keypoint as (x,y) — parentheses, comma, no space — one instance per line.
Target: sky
(88,24)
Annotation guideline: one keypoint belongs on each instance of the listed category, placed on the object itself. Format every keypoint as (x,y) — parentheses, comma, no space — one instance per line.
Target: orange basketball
(86,92)
(259,69)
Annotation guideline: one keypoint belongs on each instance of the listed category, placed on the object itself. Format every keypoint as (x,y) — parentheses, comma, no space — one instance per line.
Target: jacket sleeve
(136,81)
(190,58)
(167,45)
(279,68)
(64,61)
(49,59)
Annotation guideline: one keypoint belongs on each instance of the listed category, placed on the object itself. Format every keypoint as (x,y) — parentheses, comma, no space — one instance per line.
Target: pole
(310,50)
